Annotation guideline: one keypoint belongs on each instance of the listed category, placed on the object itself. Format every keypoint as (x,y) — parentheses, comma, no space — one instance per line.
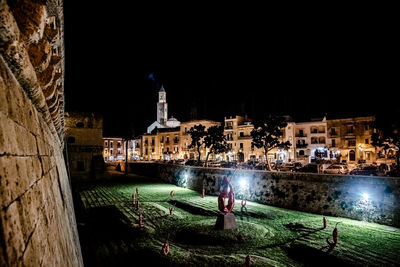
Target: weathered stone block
(225,221)
(13,237)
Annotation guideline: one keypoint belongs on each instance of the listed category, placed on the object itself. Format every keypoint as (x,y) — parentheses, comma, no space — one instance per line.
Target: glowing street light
(365,196)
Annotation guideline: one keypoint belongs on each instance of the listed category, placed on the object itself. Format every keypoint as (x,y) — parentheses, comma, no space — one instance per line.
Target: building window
(367,127)
(301,153)
(241,145)
(80,166)
(350,129)
(162,139)
(241,134)
(119,151)
(80,125)
(119,144)
(111,151)
(176,140)
(106,143)
(146,151)
(352,142)
(322,140)
(367,141)
(333,131)
(111,144)
(153,142)
(333,143)
(167,142)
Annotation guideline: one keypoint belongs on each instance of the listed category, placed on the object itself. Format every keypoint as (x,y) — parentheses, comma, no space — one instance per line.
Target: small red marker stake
(335,234)
(324,221)
(203,193)
(247,261)
(140,220)
(171,211)
(172,193)
(165,248)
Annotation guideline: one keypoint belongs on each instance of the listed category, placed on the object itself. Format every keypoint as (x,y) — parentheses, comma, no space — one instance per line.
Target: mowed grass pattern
(271,236)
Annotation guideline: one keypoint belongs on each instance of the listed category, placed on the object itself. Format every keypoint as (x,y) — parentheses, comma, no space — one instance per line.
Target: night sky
(223,65)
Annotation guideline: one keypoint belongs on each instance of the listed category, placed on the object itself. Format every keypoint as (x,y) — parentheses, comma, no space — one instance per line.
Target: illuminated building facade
(114,149)
(350,139)
(310,140)
(237,131)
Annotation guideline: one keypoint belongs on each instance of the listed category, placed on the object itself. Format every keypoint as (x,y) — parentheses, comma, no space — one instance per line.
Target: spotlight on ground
(242,183)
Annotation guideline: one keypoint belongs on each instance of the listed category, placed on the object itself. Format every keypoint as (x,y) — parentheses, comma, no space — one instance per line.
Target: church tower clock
(162,107)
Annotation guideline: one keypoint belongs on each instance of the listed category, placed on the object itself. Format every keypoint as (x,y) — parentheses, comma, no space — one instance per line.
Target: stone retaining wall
(335,195)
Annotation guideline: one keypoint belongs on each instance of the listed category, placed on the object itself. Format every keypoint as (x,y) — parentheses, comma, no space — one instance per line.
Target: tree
(214,140)
(387,135)
(197,134)
(266,134)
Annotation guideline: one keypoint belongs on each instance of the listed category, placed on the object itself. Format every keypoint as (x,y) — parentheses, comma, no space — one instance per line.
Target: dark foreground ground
(110,234)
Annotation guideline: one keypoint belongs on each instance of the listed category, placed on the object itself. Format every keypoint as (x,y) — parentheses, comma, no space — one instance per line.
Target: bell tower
(162,107)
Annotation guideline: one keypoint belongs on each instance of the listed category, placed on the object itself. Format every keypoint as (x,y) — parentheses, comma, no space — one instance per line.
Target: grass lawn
(110,233)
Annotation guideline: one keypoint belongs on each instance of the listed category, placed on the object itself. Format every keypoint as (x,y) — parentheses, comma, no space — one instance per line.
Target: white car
(337,169)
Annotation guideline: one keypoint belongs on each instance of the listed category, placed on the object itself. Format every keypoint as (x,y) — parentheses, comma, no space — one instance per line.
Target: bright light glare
(242,182)
(365,196)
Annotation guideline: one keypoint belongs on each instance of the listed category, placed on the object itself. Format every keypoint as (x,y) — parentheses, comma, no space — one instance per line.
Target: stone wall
(84,132)
(334,195)
(37,220)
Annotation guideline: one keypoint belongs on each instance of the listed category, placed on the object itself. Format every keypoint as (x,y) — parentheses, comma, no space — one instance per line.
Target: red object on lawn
(165,248)
(324,220)
(243,203)
(203,193)
(247,261)
(172,193)
(231,197)
(335,235)
(171,210)
(140,220)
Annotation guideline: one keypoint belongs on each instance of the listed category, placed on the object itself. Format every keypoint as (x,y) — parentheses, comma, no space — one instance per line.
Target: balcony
(228,127)
(301,135)
(245,137)
(299,145)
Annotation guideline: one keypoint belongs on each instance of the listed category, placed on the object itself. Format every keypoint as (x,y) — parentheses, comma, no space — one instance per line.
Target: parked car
(191,162)
(369,170)
(337,169)
(289,167)
(214,164)
(311,167)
